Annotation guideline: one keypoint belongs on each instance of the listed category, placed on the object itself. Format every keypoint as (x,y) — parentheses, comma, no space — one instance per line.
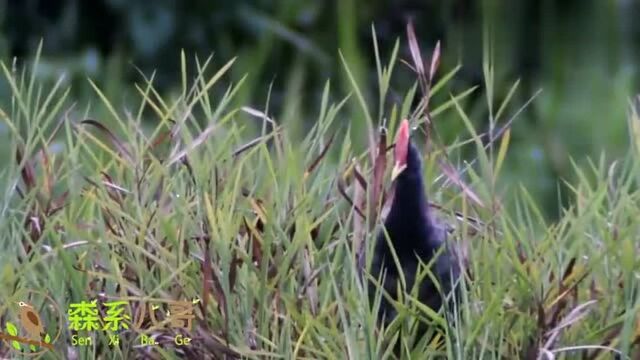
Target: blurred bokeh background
(583,54)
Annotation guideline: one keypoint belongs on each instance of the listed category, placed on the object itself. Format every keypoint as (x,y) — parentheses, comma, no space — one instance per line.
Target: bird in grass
(30,321)
(414,234)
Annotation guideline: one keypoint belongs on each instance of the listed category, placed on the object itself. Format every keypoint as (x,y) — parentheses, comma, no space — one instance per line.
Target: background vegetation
(581,53)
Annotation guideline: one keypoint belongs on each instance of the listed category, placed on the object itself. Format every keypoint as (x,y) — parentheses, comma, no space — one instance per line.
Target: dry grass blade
(547,355)
(255,239)
(343,192)
(259,210)
(563,294)
(359,225)
(27,172)
(598,348)
(116,195)
(568,271)
(312,288)
(611,337)
(108,182)
(122,150)
(46,167)
(196,142)
(542,323)
(253,143)
(57,204)
(233,271)
(359,177)
(475,224)
(435,62)
(452,174)
(416,56)
(258,114)
(107,219)
(379,168)
(560,300)
(360,190)
(317,160)
(573,317)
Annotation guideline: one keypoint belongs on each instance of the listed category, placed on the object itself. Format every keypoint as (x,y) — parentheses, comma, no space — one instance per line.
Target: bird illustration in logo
(30,321)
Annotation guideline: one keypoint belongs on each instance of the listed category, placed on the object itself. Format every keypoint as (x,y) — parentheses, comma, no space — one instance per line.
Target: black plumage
(414,234)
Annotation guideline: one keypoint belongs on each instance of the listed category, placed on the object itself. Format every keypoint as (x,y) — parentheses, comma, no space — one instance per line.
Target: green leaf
(627,259)
(504,145)
(11,329)
(16,345)
(47,339)
(33,348)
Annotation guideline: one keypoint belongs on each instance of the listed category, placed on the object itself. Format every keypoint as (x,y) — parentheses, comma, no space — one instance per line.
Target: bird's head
(406,156)
(24,304)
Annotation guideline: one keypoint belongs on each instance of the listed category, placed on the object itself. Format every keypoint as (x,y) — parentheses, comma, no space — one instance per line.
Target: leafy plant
(13,331)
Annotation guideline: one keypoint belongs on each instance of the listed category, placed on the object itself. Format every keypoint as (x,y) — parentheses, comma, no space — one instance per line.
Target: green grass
(188,197)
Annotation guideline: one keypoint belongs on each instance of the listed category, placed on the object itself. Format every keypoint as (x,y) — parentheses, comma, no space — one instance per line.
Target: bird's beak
(398,168)
(401,149)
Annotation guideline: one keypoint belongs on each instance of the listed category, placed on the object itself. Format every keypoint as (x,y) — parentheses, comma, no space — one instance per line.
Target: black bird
(413,233)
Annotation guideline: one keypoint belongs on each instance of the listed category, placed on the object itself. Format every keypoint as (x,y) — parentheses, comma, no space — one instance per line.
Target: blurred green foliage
(582,54)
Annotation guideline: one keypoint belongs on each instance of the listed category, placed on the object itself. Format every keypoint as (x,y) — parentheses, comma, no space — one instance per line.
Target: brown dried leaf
(435,62)
(27,172)
(119,145)
(46,167)
(255,238)
(107,217)
(256,205)
(57,204)
(379,168)
(416,56)
(568,271)
(233,271)
(253,143)
(564,293)
(542,327)
(343,192)
(360,179)
(316,161)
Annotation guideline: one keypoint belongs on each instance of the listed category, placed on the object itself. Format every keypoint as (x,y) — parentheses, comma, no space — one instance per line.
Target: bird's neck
(410,197)
(408,222)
